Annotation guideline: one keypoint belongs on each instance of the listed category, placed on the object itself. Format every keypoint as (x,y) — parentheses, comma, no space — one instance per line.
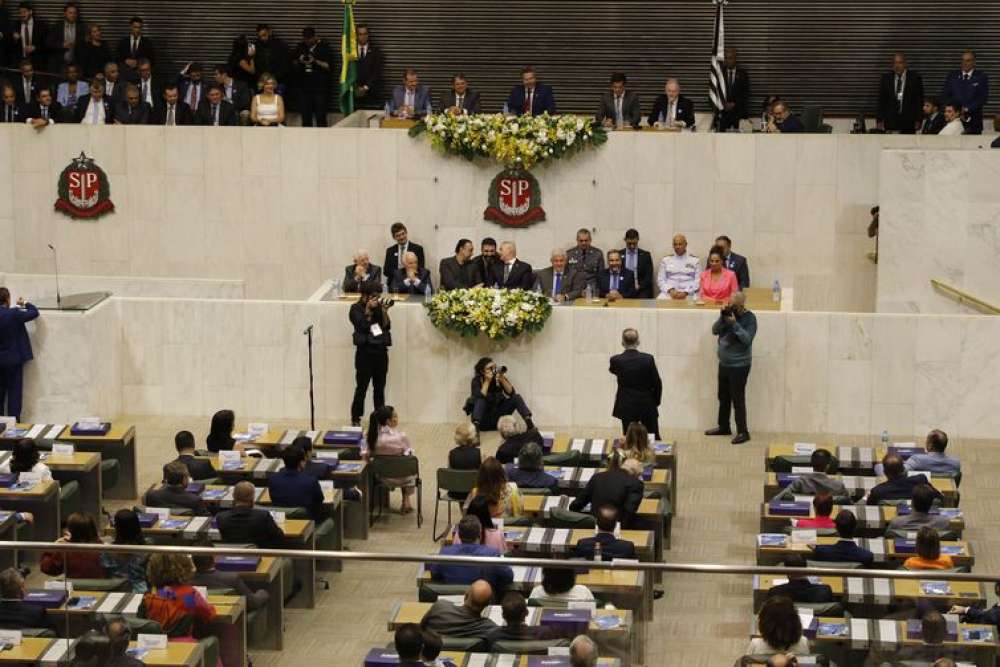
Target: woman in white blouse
(267,108)
(559,588)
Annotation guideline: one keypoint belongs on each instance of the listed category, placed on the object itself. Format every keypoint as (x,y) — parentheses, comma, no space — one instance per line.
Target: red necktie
(527,102)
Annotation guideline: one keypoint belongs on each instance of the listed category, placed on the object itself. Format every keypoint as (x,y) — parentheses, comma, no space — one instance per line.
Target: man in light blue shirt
(470,533)
(934,460)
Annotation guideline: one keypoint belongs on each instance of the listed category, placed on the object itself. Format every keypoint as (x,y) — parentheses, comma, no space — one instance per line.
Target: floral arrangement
(515,141)
(497,313)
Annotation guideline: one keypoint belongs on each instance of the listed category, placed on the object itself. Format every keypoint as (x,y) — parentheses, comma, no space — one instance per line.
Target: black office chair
(451,481)
(386,468)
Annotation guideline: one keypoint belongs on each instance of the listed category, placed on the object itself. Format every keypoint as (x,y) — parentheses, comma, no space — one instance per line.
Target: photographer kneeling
(735,328)
(493,396)
(372,339)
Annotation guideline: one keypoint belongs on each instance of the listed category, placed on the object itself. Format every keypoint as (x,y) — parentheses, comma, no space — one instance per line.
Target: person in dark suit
(611,546)
(782,121)
(514,609)
(620,107)
(614,486)
(900,98)
(29,34)
(531,97)
(312,63)
(514,436)
(292,487)
(639,386)
(171,111)
(394,253)
(133,48)
(198,469)
(64,36)
(372,338)
(456,272)
(411,278)
(970,88)
(934,120)
(206,575)
(96,108)
(360,272)
(409,644)
(898,485)
(15,614)
(640,263)
(460,100)
(320,470)
(560,282)
(737,104)
(529,471)
(410,99)
(482,264)
(44,111)
(15,351)
(93,53)
(245,524)
(215,111)
(235,91)
(10,110)
(114,86)
(268,53)
(173,492)
(672,110)
(844,549)
(799,588)
(735,263)
(367,84)
(616,282)
(132,110)
(465,620)
(191,86)
(150,88)
(510,272)
(26,85)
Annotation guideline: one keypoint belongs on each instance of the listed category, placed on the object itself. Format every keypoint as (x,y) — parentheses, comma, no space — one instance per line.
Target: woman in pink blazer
(386,439)
(717,283)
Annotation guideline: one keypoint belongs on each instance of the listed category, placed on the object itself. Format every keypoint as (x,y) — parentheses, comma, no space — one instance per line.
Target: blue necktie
(614,282)
(557,285)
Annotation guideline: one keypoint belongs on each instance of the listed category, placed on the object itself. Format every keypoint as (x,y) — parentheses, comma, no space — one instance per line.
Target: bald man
(245,524)
(510,272)
(411,278)
(465,620)
(672,110)
(583,652)
(360,272)
(678,274)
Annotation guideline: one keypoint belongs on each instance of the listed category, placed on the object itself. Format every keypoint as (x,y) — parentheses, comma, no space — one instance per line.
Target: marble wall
(35,286)
(283,210)
(940,219)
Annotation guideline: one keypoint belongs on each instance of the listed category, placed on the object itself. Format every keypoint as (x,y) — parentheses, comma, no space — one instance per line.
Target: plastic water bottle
(428,292)
(388,110)
(588,293)
(776,292)
(598,556)
(506,109)
(663,119)
(335,292)
(385,287)
(885,438)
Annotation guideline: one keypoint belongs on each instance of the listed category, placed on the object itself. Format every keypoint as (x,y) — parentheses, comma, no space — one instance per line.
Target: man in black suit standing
(900,98)
(29,34)
(10,110)
(43,111)
(235,91)
(615,282)
(64,36)
(934,120)
(312,62)
(735,263)
(15,351)
(462,100)
(737,104)
(640,263)
(215,111)
(394,254)
(26,85)
(133,48)
(639,386)
(369,77)
(172,111)
(672,110)
(245,524)
(132,110)
(969,88)
(510,272)
(619,107)
(611,546)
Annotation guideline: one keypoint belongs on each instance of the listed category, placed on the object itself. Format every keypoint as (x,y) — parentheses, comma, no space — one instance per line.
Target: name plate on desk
(152,642)
(63,449)
(230,460)
(279,518)
(10,637)
(161,512)
(804,448)
(7,423)
(58,585)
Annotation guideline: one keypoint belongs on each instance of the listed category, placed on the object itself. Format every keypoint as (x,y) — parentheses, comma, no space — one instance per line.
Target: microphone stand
(55,257)
(312,401)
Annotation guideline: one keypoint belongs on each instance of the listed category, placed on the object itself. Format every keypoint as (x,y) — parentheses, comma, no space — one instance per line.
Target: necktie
(27,89)
(506,273)
(94,104)
(215,114)
(10,114)
(229,92)
(26,38)
(193,96)
(170,115)
(557,285)
(458,101)
(109,87)
(45,113)
(135,45)
(618,109)
(527,101)
(145,91)
(614,282)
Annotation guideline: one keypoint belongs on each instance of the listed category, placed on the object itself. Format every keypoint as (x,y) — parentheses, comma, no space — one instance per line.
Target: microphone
(55,257)
(308,330)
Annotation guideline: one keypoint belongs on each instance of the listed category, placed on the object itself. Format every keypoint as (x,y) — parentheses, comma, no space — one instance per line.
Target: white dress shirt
(952,129)
(678,272)
(94,114)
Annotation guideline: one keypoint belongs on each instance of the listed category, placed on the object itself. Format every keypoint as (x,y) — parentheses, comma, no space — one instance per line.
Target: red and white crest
(515,199)
(84,191)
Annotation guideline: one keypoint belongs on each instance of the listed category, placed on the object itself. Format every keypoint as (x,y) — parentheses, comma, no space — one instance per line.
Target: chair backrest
(37,632)
(826,564)
(527,647)
(525,491)
(111,584)
(812,119)
(900,533)
(459,481)
(395,466)
(560,518)
(832,609)
(430,591)
(464,644)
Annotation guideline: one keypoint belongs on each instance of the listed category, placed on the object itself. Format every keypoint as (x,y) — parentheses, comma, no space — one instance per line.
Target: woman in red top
(172,601)
(80,529)
(717,282)
(823,507)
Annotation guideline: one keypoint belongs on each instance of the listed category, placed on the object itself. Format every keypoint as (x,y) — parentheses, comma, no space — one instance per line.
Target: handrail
(966,298)
(698,568)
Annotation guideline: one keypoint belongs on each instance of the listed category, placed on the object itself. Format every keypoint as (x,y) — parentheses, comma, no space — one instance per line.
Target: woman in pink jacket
(717,282)
(385,439)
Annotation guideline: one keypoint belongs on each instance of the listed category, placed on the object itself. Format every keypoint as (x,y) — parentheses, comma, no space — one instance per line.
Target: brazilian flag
(349,59)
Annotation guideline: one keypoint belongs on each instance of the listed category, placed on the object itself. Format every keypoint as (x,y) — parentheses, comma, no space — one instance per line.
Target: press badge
(376,330)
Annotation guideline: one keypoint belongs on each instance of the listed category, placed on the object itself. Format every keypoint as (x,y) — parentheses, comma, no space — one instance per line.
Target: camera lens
(503,369)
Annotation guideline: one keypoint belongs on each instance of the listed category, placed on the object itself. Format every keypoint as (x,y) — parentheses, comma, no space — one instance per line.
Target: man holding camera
(312,62)
(736,328)
(370,318)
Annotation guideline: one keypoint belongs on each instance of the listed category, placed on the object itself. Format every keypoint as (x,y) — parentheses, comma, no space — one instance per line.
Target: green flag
(349,59)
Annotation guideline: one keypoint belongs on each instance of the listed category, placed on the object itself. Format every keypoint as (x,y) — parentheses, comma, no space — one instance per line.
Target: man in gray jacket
(559,282)
(920,513)
(736,328)
(464,620)
(809,484)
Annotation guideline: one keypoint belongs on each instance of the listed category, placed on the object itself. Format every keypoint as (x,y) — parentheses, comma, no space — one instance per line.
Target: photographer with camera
(493,396)
(736,328)
(311,60)
(372,339)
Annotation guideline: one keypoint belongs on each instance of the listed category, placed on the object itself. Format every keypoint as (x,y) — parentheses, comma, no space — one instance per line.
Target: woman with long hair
(80,528)
(385,438)
(502,494)
(636,445)
(220,433)
(132,567)
(24,458)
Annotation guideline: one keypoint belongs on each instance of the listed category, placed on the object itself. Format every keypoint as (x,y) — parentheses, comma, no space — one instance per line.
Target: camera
(387,303)
(501,370)
(727,311)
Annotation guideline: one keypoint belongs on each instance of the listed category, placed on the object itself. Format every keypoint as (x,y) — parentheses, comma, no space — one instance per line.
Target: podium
(81,302)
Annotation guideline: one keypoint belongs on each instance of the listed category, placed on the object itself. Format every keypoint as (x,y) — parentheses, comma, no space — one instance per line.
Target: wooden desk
(43,502)
(8,533)
(84,468)
(462,659)
(43,651)
(397,123)
(572,479)
(118,444)
(884,551)
(851,459)
(528,541)
(267,576)
(857,485)
(758,298)
(881,593)
(873,520)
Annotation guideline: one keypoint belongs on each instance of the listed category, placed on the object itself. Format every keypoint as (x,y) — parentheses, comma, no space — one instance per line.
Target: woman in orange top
(717,282)
(928,553)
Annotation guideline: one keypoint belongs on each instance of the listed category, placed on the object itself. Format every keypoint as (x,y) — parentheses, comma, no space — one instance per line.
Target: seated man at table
(292,487)
(206,575)
(470,532)
(934,630)
(245,524)
(615,282)
(799,588)
(360,272)
(515,435)
(615,486)
(320,470)
(197,468)
(611,546)
(173,493)
(934,460)
(15,614)
(822,508)
(985,616)
(514,609)
(844,549)
(411,279)
(920,513)
(560,282)
(465,620)
(409,644)
(679,273)
(583,652)
(898,485)
(529,472)
(811,483)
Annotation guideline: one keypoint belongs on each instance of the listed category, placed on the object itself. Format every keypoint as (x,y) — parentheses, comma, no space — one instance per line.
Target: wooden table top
(886,513)
(658,478)
(177,654)
(648,508)
(890,548)
(412,612)
(758,298)
(969,591)
(40,490)
(642,539)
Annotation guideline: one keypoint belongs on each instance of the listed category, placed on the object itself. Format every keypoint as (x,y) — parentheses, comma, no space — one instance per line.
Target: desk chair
(385,468)
(69,499)
(825,564)
(528,646)
(451,481)
(430,591)
(560,518)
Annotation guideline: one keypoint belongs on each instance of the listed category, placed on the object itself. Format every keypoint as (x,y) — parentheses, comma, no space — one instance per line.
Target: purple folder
(789,508)
(47,599)
(8,479)
(196,488)
(904,546)
(915,630)
(568,622)
(905,452)
(647,473)
(237,563)
(147,520)
(784,478)
(381,657)
(810,632)
(548,661)
(90,429)
(343,438)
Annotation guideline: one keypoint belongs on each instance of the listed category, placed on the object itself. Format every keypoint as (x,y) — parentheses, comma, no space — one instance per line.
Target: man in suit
(737,104)
(409,644)
(360,272)
(470,534)
(172,112)
(844,549)
(970,89)
(529,471)
(269,54)
(456,272)
(462,100)
(410,99)
(150,90)
(585,258)
(10,110)
(560,282)
(369,77)
(933,118)
(900,98)
(206,575)
(312,61)
(26,84)
(611,546)
(132,110)
(920,513)
(514,609)
(639,386)
(191,85)
(482,264)
(29,36)
(672,110)
(465,620)
(799,588)
(236,92)
(292,487)
(640,263)
(96,108)
(619,107)
(898,485)
(245,524)
(114,87)
(510,272)
(411,279)
(64,36)
(173,492)
(198,469)
(735,263)
(619,486)
(44,111)
(15,614)
(615,282)
(531,98)
(133,48)
(215,111)
(782,121)
(394,254)
(817,481)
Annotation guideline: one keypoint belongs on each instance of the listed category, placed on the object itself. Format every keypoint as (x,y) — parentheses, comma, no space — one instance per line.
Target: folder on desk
(8,479)
(772,539)
(935,588)
(548,661)
(569,622)
(789,508)
(348,438)
(831,630)
(784,479)
(148,520)
(237,563)
(904,546)
(380,657)
(89,428)
(173,524)
(47,599)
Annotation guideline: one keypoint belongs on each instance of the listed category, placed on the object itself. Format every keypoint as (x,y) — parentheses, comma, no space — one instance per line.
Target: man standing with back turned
(639,385)
(736,328)
(15,350)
